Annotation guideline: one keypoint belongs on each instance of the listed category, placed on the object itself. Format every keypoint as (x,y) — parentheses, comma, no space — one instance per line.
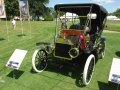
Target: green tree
(53,12)
(38,8)
(12,8)
(117,13)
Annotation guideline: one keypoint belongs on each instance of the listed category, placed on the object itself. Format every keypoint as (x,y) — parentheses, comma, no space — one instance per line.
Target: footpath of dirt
(110,31)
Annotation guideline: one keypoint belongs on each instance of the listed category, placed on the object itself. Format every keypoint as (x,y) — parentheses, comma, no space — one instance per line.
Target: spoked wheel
(88,69)
(39,60)
(102,51)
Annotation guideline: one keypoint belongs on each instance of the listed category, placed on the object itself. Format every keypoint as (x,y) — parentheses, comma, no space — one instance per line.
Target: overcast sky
(110,5)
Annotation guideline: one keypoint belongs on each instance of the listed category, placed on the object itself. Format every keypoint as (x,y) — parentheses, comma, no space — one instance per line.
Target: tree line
(116,13)
(37,9)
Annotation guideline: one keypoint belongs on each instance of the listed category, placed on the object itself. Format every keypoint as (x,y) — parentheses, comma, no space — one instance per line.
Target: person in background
(14,23)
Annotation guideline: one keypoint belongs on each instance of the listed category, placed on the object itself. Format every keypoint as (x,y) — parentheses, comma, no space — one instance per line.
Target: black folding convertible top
(85,8)
(80,9)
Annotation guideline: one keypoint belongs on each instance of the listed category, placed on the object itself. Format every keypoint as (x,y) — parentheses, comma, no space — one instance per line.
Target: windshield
(70,21)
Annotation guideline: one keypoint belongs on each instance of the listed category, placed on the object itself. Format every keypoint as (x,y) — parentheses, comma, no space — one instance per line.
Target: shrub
(48,18)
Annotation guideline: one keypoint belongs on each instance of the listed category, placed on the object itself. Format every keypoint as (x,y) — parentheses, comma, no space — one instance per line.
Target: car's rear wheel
(39,60)
(88,69)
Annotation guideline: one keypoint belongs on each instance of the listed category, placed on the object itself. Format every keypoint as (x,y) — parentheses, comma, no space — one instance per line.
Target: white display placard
(114,75)
(16,59)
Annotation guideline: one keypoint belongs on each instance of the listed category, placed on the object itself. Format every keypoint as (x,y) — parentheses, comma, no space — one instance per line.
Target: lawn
(52,78)
(113,25)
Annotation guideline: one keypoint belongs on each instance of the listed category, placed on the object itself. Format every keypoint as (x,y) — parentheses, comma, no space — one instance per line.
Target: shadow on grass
(73,69)
(70,68)
(107,86)
(32,71)
(117,53)
(15,74)
(1,39)
(20,35)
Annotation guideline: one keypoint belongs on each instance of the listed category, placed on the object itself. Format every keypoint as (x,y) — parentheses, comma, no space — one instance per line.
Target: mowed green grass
(52,78)
(113,25)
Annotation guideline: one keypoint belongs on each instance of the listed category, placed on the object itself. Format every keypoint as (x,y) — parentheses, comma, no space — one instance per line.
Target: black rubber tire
(88,69)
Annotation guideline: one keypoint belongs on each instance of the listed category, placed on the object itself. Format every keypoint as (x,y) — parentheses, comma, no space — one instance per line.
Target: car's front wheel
(39,60)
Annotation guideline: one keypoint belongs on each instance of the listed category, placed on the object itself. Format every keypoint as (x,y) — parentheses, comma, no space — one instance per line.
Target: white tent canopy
(69,16)
(112,18)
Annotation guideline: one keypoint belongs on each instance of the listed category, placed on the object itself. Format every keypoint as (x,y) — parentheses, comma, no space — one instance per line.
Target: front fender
(102,39)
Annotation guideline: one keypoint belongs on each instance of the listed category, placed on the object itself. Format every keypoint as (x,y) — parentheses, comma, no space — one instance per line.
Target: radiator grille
(62,50)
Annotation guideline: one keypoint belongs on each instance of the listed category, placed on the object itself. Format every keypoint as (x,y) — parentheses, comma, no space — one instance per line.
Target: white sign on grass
(114,75)
(16,59)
